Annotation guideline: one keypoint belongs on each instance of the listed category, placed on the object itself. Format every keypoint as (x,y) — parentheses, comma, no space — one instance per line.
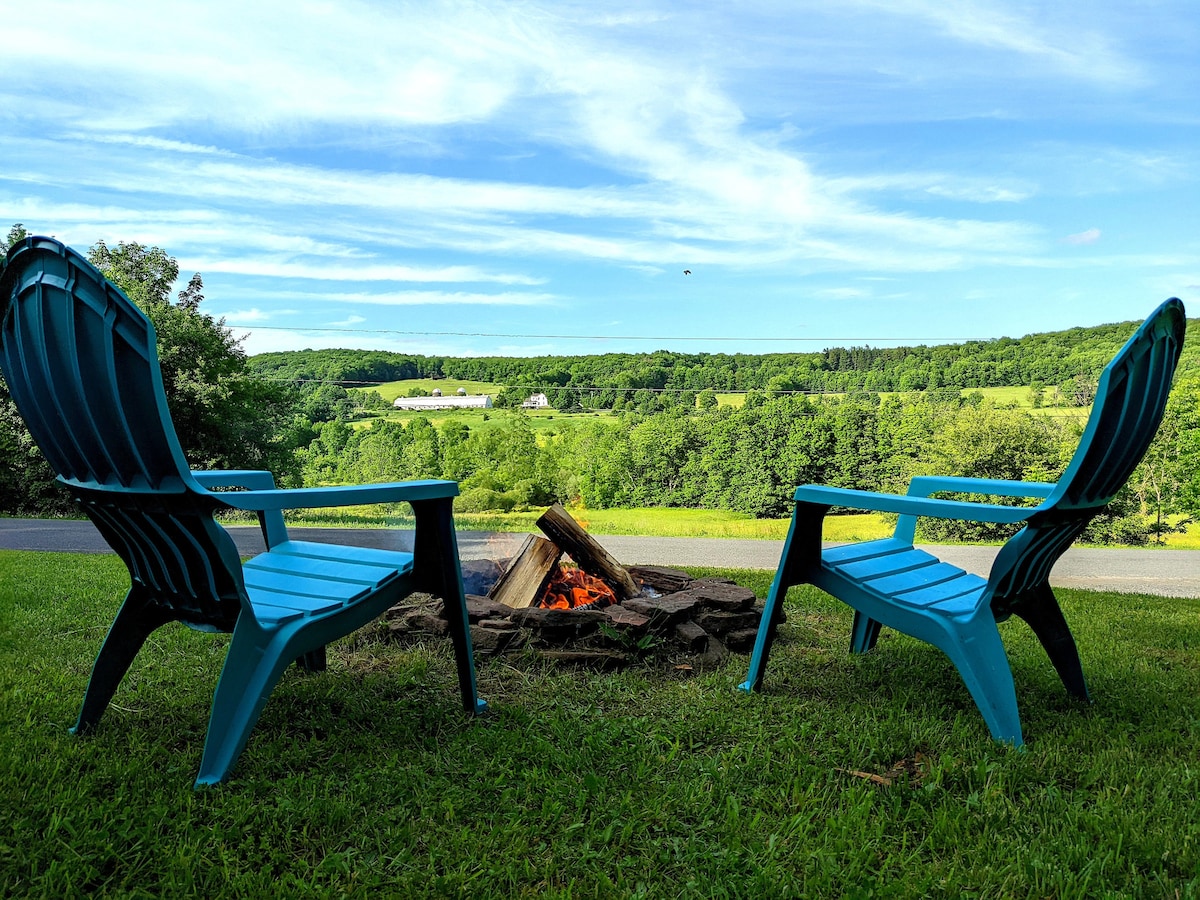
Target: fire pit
(593,611)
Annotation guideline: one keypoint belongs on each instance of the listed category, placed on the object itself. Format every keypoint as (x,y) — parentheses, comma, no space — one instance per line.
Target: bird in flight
(687,271)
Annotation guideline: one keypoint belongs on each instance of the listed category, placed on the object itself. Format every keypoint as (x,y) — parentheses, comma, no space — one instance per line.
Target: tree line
(669,442)
(1065,364)
(751,458)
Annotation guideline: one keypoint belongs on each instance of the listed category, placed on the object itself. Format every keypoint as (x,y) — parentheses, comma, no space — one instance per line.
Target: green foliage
(145,274)
(1070,361)
(16,234)
(225,416)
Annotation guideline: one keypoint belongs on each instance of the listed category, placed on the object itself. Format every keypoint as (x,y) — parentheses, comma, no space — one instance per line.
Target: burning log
(528,574)
(586,551)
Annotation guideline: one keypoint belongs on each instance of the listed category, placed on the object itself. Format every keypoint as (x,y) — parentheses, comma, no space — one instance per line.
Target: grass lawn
(369,780)
(539,420)
(390,390)
(653,522)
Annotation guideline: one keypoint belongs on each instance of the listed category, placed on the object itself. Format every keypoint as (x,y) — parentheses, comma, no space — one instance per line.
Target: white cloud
(1062,43)
(843,293)
(1082,238)
(322,271)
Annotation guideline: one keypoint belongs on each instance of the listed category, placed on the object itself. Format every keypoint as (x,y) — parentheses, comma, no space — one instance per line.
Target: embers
(573,588)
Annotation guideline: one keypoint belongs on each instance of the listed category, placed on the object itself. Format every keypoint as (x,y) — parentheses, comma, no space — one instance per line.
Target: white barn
(459,401)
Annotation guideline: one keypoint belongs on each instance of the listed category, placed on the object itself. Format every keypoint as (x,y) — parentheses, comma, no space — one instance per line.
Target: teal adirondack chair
(81,365)
(889,582)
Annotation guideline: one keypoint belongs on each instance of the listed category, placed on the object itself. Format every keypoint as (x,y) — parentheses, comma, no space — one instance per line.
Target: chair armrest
(315,498)
(274,529)
(912,506)
(250,479)
(924,485)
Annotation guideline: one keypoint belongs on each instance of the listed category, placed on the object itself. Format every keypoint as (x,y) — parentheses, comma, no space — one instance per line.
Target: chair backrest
(82,367)
(1131,398)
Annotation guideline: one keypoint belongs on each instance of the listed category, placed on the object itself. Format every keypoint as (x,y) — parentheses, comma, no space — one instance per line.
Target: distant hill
(1053,358)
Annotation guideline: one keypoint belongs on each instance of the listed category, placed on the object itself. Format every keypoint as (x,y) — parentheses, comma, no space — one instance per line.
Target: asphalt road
(1167,573)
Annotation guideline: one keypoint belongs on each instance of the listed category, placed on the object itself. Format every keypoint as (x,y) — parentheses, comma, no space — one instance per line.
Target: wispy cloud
(1060,43)
(583,153)
(1083,237)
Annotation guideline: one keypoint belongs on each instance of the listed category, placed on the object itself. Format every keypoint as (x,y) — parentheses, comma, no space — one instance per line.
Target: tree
(145,274)
(16,234)
(225,416)
(27,483)
(193,295)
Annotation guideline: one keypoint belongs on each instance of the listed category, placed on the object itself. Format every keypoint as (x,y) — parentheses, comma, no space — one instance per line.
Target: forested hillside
(1061,359)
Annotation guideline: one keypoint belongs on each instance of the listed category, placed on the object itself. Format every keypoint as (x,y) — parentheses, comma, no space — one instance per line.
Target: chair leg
(135,622)
(312,662)
(864,633)
(978,653)
(436,566)
(772,615)
(253,666)
(1040,610)
(801,553)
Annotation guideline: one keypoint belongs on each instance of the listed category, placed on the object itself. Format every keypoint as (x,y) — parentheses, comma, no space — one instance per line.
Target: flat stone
(625,618)
(432,605)
(713,655)
(660,578)
(667,610)
(722,594)
(491,640)
(534,617)
(742,640)
(482,608)
(692,636)
(426,622)
(720,622)
(499,624)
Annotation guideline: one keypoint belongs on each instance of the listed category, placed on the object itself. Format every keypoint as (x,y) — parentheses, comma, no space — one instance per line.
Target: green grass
(654,522)
(390,390)
(1019,397)
(368,780)
(540,420)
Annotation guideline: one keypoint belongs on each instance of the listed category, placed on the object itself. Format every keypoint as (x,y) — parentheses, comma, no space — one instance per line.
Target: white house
(458,401)
(536,401)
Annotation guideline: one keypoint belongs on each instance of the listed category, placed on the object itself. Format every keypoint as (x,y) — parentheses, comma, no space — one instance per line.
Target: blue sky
(530,178)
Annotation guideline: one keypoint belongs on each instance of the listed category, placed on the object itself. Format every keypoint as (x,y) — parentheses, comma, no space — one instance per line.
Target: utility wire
(590,337)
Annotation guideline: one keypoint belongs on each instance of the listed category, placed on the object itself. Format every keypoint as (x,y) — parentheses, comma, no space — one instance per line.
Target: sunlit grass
(368,780)
(390,390)
(655,522)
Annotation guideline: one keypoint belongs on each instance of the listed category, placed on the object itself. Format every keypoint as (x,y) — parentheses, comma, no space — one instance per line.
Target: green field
(390,390)
(1017,397)
(703,523)
(540,420)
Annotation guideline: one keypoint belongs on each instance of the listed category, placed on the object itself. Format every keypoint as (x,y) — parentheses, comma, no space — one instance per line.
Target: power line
(590,388)
(591,337)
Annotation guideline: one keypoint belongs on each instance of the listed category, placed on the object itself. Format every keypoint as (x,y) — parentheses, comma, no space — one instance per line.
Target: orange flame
(570,588)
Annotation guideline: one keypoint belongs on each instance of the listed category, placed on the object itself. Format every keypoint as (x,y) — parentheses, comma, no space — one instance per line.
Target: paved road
(1168,573)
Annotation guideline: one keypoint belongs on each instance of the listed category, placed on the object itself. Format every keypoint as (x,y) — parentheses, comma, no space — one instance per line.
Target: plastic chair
(889,582)
(81,364)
